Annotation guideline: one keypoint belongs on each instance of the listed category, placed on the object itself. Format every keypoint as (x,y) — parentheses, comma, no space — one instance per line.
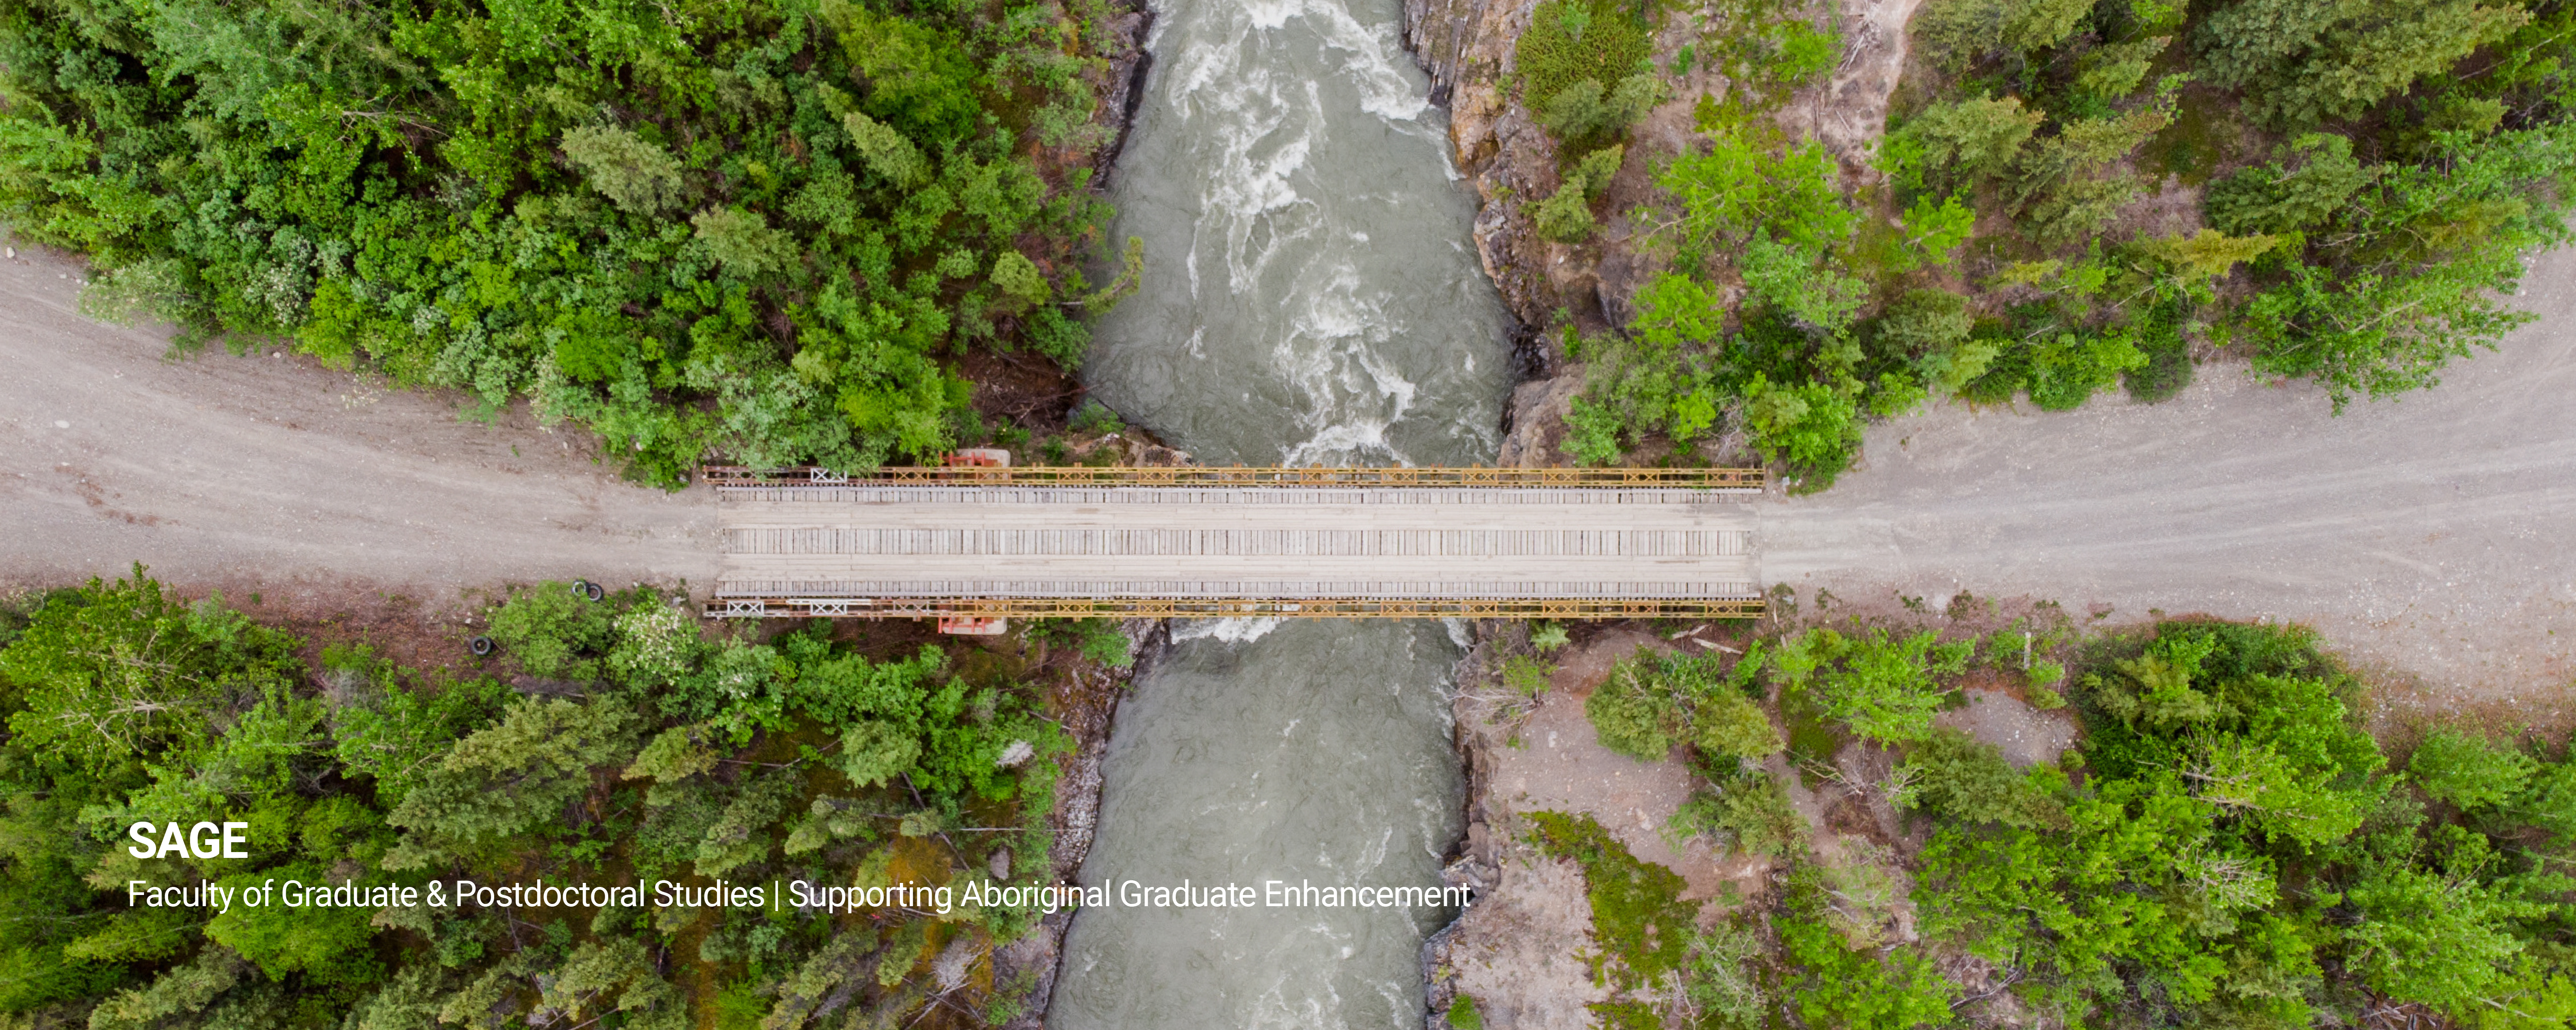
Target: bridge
(979,543)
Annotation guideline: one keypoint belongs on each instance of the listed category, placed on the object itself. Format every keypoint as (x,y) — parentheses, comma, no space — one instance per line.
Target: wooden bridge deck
(877,548)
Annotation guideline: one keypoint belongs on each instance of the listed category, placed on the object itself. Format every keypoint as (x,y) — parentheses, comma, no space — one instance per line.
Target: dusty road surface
(225,471)
(2433,536)
(2430,536)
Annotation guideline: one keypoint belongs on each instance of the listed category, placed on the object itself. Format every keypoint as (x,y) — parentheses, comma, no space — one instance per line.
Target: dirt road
(242,472)
(2435,535)
(2430,535)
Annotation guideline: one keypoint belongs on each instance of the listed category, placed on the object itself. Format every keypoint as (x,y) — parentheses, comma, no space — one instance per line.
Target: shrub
(1746,812)
(1527,676)
(1725,722)
(1093,418)
(2067,369)
(1564,217)
(1963,779)
(656,645)
(1641,924)
(1586,111)
(1633,716)
(1572,41)
(1462,1014)
(1725,978)
(1806,53)
(551,631)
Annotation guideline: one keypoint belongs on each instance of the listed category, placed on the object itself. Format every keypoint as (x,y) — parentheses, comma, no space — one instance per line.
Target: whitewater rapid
(1311,295)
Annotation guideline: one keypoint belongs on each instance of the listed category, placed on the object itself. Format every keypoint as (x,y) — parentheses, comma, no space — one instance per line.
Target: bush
(1728,723)
(1744,812)
(1639,921)
(551,631)
(1528,676)
(1462,1014)
(1962,779)
(1099,640)
(1586,112)
(1633,716)
(1574,41)
(1563,217)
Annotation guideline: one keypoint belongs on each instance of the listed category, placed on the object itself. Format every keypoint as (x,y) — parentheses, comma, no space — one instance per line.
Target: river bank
(1468,48)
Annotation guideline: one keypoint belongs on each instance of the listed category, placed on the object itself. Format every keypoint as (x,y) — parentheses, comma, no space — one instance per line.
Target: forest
(2072,197)
(761,230)
(2223,846)
(629,745)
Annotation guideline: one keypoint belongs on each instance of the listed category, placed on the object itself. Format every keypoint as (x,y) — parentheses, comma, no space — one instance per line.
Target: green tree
(2464,770)
(1966,780)
(1961,143)
(637,176)
(2303,62)
(111,674)
(1886,689)
(2441,933)
(1813,428)
(2310,178)
(2206,255)
(510,779)
(1961,31)
(1925,322)
(1634,714)
(1586,111)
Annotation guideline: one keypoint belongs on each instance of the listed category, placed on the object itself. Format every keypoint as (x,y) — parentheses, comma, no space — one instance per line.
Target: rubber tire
(480,646)
(580,588)
(595,592)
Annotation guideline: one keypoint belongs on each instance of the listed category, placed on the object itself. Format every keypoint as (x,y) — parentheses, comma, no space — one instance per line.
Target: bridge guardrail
(1226,608)
(1731,480)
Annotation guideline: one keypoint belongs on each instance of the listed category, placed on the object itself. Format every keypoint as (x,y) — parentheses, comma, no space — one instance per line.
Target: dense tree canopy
(736,226)
(2225,846)
(679,757)
(2370,177)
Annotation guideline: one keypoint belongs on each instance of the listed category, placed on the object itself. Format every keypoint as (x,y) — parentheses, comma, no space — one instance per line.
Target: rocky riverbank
(1468,47)
(1085,702)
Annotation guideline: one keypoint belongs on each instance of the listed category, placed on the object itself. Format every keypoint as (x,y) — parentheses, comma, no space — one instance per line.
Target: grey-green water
(1311,295)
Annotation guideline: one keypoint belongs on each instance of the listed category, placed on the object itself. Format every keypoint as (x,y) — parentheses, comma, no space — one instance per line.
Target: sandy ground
(244,473)
(2433,537)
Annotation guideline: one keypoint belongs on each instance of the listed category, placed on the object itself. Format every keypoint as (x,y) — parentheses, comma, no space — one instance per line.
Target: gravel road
(2433,537)
(2430,536)
(241,472)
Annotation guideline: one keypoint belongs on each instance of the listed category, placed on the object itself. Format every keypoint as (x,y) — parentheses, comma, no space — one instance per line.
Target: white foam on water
(1232,631)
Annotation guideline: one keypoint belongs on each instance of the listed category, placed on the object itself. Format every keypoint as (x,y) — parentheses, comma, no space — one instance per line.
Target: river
(1311,296)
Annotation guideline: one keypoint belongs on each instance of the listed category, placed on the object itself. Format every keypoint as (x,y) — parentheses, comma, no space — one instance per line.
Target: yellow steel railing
(1728,479)
(1219,608)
